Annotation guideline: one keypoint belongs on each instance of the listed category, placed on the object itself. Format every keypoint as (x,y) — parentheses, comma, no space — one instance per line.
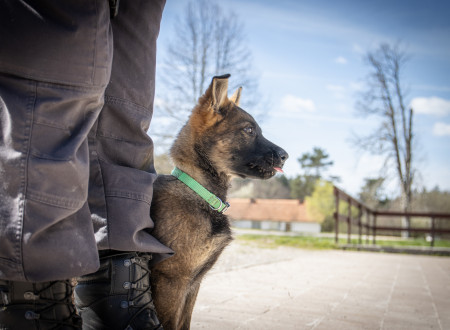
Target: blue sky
(308,56)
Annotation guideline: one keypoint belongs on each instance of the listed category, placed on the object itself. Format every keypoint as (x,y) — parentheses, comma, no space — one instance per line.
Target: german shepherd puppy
(219,141)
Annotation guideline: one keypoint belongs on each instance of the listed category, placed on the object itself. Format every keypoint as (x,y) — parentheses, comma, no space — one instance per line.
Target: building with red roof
(271,214)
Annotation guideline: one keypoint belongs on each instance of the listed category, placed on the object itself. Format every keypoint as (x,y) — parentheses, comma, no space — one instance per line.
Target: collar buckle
(222,207)
(227,205)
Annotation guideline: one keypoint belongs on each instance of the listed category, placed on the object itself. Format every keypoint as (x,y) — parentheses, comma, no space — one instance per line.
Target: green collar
(214,202)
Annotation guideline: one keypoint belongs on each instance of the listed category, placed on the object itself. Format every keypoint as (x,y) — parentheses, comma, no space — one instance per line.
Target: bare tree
(208,41)
(385,99)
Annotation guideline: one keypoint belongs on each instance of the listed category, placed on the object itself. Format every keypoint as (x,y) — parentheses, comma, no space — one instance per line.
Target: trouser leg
(121,152)
(55,62)
(118,295)
(49,232)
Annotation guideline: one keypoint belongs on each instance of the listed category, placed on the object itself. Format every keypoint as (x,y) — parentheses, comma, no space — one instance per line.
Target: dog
(219,141)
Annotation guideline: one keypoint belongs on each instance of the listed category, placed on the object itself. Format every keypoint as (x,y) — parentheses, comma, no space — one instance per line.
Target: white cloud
(338,91)
(441,129)
(431,106)
(335,88)
(158,102)
(340,60)
(294,104)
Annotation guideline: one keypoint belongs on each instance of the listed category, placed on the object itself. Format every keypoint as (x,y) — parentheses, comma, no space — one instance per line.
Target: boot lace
(141,261)
(72,320)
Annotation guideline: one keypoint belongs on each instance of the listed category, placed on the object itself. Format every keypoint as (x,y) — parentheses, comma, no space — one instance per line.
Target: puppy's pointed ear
(211,106)
(219,90)
(236,96)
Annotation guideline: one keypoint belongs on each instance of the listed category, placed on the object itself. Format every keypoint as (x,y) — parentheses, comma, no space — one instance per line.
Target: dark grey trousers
(76,163)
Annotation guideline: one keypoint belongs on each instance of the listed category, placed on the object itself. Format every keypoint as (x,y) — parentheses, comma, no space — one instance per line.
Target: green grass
(320,243)
(273,241)
(414,242)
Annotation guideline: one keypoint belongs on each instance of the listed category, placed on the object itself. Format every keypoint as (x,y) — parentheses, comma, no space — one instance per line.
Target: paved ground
(287,288)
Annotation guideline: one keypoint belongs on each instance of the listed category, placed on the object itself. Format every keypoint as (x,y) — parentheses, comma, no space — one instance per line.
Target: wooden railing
(370,227)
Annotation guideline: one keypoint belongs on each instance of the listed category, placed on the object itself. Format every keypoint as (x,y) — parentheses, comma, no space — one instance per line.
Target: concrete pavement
(288,288)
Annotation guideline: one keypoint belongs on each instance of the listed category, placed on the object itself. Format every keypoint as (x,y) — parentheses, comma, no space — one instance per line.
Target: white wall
(298,227)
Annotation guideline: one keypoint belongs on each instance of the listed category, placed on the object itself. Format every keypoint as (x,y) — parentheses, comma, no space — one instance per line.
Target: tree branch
(384,98)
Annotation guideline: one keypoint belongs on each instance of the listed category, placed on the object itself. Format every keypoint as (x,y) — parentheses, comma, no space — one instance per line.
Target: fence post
(336,215)
(374,232)
(368,216)
(432,232)
(349,221)
(359,224)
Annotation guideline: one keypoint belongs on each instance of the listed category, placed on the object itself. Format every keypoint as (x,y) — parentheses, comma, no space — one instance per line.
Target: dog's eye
(249,130)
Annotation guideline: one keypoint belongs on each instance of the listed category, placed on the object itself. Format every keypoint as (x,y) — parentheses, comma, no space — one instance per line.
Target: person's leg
(122,171)
(121,179)
(55,60)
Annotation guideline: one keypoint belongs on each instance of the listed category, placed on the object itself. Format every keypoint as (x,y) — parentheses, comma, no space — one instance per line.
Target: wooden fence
(366,220)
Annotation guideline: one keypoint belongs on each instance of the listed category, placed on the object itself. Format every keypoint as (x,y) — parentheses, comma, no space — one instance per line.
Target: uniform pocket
(54,143)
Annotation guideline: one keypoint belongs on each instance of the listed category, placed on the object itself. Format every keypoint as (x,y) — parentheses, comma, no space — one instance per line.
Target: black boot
(43,306)
(118,295)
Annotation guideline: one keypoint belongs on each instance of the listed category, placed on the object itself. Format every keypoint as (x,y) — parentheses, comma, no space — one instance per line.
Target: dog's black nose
(283,155)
